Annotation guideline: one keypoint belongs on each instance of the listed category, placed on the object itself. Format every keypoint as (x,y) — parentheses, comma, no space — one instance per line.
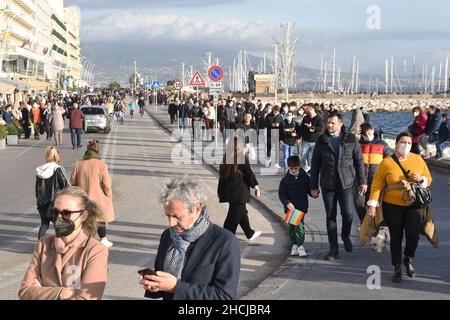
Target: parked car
(96,118)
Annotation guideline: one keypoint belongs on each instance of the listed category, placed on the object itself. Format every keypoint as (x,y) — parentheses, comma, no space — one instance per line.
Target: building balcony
(19,14)
(28,4)
(18,51)
(22,33)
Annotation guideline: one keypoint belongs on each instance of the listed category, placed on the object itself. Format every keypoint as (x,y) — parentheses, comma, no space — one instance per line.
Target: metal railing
(382,133)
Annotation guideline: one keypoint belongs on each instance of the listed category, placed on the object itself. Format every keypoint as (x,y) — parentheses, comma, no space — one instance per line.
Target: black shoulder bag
(420,195)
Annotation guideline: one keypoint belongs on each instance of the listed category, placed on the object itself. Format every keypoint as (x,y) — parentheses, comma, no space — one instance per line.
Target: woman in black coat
(235,182)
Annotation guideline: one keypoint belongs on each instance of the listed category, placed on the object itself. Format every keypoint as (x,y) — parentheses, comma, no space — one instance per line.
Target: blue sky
(407,27)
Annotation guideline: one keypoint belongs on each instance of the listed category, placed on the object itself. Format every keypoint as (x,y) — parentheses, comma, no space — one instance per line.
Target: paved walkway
(138,154)
(346,278)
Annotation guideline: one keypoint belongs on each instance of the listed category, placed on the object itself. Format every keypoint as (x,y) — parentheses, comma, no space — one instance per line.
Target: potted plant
(13,135)
(3,134)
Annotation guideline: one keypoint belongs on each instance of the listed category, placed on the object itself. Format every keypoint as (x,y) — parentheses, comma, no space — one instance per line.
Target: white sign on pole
(178,85)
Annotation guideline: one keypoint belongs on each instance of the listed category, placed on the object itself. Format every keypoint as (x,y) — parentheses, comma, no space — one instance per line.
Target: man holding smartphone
(196,259)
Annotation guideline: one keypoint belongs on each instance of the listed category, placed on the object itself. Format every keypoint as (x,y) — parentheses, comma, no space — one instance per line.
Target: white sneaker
(255,235)
(106,242)
(276,166)
(302,252)
(294,250)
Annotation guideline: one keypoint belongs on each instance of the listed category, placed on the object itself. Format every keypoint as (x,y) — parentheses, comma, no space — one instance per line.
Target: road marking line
(29,148)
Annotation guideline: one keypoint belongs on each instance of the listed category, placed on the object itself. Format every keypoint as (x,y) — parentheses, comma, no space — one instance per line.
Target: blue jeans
(287,152)
(75,134)
(306,152)
(347,205)
(182,125)
(439,148)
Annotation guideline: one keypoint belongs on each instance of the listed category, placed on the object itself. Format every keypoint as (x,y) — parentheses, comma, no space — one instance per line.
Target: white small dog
(382,240)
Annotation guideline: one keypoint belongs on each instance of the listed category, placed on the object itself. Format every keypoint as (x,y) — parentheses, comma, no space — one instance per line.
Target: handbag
(414,192)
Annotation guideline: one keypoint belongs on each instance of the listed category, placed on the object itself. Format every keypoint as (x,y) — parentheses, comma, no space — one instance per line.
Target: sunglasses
(65,214)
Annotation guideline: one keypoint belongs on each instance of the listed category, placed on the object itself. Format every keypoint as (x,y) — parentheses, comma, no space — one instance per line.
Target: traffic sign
(215,73)
(65,81)
(197,80)
(156,84)
(178,85)
(215,85)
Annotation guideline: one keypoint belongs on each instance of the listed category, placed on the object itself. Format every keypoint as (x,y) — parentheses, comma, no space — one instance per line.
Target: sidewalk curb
(277,217)
(438,165)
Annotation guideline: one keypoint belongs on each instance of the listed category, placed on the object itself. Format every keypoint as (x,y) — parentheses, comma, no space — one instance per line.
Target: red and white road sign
(178,85)
(215,73)
(197,80)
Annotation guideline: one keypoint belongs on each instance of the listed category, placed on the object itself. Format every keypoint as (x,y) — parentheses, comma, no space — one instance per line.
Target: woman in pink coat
(91,174)
(418,128)
(73,265)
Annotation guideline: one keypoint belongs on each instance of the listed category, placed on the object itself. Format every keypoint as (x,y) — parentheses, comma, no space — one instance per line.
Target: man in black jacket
(311,129)
(289,137)
(272,122)
(337,158)
(196,114)
(172,110)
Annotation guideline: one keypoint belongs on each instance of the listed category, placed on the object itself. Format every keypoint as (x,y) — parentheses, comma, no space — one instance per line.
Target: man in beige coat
(91,174)
(73,265)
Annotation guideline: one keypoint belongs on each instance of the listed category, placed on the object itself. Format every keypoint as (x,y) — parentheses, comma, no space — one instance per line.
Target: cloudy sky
(404,28)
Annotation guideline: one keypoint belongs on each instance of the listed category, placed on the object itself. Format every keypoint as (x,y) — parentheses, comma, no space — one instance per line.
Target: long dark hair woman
(236,179)
(401,216)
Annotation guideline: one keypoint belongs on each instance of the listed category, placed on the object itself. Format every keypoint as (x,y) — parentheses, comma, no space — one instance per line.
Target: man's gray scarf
(176,255)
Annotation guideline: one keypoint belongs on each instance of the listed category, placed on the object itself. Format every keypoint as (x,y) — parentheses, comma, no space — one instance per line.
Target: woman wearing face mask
(400,216)
(417,128)
(72,265)
(91,174)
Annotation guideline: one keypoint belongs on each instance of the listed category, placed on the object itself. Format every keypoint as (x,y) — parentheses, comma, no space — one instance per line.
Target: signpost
(65,81)
(178,85)
(197,81)
(215,73)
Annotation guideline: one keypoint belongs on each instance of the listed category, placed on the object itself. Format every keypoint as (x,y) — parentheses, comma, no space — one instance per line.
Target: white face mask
(289,119)
(404,149)
(416,114)
(333,133)
(294,172)
(369,138)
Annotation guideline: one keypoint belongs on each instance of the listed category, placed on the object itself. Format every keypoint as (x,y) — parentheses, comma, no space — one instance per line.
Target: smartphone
(147,272)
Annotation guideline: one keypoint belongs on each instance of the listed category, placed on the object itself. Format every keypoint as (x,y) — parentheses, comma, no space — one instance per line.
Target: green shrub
(13,130)
(3,132)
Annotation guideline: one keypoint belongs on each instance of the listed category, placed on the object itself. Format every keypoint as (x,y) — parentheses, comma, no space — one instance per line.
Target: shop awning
(7,84)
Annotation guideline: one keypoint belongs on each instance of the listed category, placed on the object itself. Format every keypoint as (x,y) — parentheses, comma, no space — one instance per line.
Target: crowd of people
(196,258)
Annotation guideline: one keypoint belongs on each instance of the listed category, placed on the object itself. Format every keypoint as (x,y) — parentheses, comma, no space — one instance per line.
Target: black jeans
(45,220)
(238,215)
(101,230)
(347,205)
(401,220)
(361,201)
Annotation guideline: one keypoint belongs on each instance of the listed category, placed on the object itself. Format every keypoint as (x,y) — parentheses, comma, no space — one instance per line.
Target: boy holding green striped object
(293,193)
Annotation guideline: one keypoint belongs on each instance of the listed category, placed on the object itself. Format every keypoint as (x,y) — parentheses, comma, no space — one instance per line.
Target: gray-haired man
(196,259)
